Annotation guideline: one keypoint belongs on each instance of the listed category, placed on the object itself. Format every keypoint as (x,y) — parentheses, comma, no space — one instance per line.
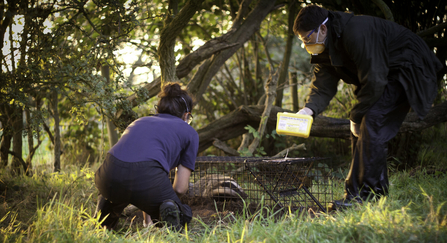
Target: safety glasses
(307,39)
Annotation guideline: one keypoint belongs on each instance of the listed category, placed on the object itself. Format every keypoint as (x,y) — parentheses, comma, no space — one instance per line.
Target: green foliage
(82,131)
(29,204)
(245,152)
(342,103)
(67,56)
(253,131)
(421,149)
(260,152)
(432,151)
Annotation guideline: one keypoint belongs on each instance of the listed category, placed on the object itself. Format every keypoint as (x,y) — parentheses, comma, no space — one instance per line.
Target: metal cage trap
(298,183)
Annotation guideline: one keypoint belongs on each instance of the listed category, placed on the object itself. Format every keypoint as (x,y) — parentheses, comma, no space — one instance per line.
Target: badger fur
(218,187)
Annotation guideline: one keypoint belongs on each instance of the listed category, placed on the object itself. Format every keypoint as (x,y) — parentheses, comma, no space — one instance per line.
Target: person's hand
(147,221)
(355,128)
(305,111)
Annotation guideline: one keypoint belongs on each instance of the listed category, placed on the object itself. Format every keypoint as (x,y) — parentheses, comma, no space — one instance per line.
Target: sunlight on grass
(58,207)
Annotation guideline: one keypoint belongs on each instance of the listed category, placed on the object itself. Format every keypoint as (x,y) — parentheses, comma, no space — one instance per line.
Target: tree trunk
(287,53)
(258,68)
(173,27)
(31,147)
(124,116)
(57,134)
(111,128)
(293,83)
(256,81)
(4,148)
(30,139)
(17,139)
(5,144)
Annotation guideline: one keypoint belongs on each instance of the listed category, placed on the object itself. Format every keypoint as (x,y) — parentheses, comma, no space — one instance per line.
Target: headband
(185,104)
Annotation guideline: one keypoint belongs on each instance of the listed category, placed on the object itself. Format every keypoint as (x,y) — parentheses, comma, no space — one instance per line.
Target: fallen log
(232,125)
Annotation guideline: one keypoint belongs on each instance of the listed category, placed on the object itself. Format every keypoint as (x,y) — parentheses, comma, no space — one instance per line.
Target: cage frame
(243,171)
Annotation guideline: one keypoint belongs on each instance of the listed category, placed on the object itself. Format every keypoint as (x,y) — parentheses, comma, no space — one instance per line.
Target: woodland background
(75,73)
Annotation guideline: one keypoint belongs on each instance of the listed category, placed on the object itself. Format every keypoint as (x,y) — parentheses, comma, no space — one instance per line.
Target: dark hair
(174,100)
(309,18)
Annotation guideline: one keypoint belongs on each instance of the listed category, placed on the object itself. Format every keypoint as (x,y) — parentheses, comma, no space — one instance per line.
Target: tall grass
(58,207)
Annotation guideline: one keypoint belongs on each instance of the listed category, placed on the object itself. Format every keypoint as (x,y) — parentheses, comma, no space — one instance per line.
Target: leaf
(252,130)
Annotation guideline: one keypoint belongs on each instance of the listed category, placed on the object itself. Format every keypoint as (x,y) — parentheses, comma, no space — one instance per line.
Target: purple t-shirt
(164,138)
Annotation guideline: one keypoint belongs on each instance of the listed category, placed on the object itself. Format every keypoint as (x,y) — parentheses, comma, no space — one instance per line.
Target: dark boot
(170,214)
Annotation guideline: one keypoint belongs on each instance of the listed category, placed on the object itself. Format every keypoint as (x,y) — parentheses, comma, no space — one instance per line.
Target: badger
(218,187)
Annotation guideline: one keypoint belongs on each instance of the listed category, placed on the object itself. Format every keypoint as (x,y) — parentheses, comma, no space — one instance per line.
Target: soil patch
(208,210)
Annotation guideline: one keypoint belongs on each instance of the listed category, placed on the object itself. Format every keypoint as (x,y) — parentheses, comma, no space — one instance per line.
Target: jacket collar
(336,24)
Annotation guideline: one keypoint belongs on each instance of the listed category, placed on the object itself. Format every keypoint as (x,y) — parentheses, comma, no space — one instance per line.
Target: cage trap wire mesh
(298,183)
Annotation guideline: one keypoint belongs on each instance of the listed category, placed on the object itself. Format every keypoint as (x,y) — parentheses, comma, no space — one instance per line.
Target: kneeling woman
(136,169)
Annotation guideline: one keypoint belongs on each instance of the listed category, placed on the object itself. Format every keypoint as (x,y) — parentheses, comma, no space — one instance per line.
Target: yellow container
(293,124)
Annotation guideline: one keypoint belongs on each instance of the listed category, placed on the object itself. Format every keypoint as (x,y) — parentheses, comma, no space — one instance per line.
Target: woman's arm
(181,180)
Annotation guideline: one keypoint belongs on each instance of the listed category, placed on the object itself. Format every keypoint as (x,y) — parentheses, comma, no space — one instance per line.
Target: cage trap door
(287,181)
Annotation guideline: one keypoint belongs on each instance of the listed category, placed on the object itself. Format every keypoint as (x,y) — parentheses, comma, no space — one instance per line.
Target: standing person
(135,170)
(393,70)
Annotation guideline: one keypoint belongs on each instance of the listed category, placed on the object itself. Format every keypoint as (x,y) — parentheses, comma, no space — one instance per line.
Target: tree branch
(294,147)
(227,149)
(270,90)
(20,159)
(169,34)
(385,9)
(432,30)
(209,68)
(215,52)
(9,15)
(210,48)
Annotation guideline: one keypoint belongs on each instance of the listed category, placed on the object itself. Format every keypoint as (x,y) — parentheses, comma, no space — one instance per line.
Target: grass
(58,207)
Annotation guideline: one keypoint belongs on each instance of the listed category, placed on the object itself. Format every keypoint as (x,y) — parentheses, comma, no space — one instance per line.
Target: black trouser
(368,173)
(144,184)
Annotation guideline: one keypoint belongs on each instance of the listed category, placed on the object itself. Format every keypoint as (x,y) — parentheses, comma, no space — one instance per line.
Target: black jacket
(366,51)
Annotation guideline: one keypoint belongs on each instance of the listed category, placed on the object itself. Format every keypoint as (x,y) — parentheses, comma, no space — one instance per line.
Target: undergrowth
(59,207)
